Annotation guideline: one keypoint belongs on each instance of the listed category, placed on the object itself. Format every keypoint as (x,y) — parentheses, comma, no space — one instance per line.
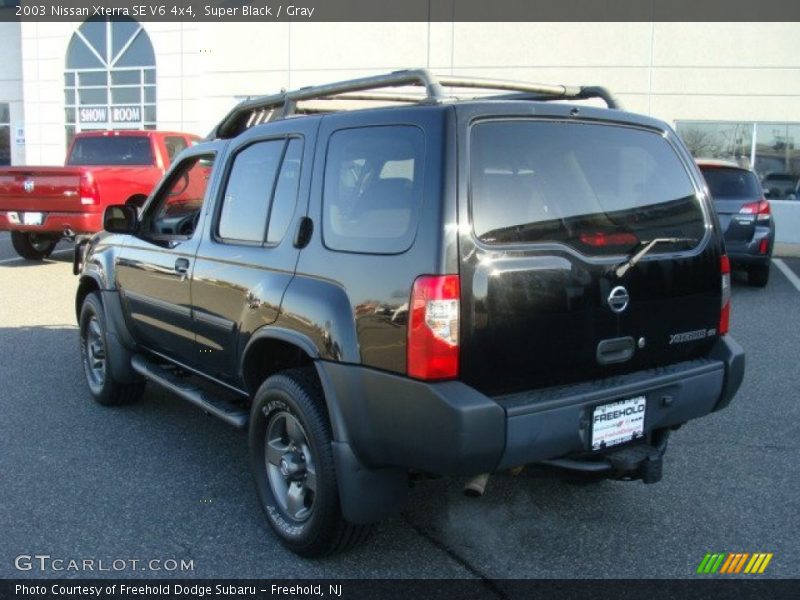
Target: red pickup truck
(40,205)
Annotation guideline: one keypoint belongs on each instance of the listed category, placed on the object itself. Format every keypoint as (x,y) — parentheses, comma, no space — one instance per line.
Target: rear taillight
(88,189)
(725,312)
(433,327)
(760,209)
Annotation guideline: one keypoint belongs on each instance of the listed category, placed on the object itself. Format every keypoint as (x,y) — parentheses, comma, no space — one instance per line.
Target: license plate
(32,218)
(618,422)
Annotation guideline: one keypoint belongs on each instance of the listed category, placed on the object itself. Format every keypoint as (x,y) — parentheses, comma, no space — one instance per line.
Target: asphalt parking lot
(160,480)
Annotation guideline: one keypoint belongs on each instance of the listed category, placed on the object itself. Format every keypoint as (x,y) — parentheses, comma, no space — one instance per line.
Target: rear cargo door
(553,205)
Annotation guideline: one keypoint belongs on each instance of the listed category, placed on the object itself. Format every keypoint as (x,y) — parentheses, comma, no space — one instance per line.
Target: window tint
(373,189)
(731,184)
(245,205)
(285,197)
(111,150)
(177,209)
(601,189)
(175,145)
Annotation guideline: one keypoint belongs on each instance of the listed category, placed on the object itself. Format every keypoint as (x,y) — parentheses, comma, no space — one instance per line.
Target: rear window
(112,151)
(731,184)
(373,189)
(600,189)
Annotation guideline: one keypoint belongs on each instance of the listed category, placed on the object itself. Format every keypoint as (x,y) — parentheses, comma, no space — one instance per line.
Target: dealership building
(731,89)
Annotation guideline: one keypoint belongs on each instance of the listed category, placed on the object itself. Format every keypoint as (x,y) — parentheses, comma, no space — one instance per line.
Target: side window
(285,198)
(175,145)
(245,205)
(373,189)
(176,210)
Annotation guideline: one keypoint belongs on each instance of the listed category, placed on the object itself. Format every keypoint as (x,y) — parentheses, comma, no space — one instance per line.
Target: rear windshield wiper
(623,268)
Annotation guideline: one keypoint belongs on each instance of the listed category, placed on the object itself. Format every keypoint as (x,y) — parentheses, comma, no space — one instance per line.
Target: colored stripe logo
(733,563)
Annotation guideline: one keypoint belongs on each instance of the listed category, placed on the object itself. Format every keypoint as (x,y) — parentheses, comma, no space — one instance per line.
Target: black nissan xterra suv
(442,285)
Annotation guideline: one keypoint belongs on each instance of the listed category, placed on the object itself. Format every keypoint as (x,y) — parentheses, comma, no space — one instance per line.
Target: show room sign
(119,114)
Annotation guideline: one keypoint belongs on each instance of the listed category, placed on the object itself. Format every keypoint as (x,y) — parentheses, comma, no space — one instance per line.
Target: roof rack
(255,111)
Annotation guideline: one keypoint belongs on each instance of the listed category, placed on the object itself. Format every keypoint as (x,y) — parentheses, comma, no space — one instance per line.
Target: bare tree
(702,144)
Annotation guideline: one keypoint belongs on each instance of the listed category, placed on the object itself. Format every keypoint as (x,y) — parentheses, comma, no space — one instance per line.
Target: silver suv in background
(745,216)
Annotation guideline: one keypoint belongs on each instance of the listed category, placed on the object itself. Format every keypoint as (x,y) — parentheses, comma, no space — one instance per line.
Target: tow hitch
(640,461)
(637,462)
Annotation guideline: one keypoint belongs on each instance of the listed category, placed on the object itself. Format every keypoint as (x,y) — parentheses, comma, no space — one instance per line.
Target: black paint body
(532,316)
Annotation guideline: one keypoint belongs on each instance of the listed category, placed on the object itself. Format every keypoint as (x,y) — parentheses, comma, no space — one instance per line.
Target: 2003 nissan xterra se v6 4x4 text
(444,285)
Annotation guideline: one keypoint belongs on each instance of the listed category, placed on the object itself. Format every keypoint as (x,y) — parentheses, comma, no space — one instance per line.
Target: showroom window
(5,135)
(110,77)
(772,150)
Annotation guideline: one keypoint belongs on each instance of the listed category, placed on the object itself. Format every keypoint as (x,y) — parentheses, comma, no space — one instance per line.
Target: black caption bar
(405,10)
(249,589)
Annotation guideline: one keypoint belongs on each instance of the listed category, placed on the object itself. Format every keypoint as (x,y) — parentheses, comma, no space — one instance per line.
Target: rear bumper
(749,253)
(56,222)
(450,428)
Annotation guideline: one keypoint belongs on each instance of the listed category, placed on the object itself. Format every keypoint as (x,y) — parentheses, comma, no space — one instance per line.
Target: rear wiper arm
(623,268)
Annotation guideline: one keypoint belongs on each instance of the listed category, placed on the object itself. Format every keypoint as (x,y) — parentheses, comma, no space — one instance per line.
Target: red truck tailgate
(47,189)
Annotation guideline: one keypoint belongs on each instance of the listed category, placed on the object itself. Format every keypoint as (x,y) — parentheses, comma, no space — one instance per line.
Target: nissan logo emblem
(618,299)
(28,185)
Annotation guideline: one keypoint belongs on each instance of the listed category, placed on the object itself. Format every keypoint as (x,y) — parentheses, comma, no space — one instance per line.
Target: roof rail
(255,111)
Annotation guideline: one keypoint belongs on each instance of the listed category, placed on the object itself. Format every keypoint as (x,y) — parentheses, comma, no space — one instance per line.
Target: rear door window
(600,189)
(373,189)
(285,198)
(245,205)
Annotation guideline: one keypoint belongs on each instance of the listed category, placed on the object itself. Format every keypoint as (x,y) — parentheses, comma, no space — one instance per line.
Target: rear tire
(94,355)
(758,275)
(293,468)
(33,246)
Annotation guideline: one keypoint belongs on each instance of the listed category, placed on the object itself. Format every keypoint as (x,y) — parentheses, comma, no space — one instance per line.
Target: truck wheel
(94,356)
(293,468)
(33,246)
(758,275)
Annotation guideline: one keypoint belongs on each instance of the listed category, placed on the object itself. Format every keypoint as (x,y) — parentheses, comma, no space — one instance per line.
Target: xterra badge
(691,336)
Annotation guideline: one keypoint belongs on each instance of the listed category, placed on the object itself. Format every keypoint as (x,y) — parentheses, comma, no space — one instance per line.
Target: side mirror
(767,193)
(120,218)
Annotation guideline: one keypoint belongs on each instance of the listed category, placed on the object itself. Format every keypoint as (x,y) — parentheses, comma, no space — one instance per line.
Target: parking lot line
(9,260)
(793,279)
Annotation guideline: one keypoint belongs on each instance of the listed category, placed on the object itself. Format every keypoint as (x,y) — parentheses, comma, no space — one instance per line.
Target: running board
(218,407)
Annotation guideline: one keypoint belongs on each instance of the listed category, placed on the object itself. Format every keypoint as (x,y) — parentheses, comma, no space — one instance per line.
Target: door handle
(616,350)
(182,266)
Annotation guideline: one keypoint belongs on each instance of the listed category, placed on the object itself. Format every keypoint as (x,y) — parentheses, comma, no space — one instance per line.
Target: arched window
(110,77)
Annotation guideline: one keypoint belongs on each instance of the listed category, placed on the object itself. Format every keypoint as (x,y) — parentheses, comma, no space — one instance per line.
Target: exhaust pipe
(68,234)
(475,487)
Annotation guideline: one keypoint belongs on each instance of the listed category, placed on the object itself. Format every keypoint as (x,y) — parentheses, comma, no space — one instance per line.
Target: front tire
(758,275)
(293,468)
(33,246)
(94,355)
